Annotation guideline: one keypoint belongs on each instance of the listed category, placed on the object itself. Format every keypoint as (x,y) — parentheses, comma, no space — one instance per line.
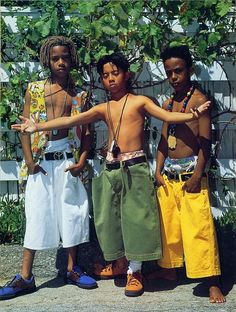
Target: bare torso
(186,133)
(58,104)
(131,134)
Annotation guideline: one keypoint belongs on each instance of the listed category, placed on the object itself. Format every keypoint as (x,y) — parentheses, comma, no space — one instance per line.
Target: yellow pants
(187,228)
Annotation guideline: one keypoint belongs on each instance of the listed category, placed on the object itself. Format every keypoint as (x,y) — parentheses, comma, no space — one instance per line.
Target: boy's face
(113,78)
(60,61)
(178,73)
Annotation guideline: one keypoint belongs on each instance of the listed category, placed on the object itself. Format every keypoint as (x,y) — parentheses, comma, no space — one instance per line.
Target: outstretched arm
(174,117)
(89,116)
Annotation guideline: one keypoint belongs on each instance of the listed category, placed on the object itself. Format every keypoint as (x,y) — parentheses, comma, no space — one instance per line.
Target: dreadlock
(57,41)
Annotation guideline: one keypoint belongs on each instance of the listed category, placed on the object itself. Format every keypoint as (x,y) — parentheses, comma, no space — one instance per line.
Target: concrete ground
(53,295)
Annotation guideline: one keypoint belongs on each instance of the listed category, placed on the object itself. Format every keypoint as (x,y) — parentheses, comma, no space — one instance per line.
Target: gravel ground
(52,295)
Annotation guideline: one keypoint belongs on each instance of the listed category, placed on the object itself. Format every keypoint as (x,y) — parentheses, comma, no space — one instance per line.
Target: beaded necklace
(172,127)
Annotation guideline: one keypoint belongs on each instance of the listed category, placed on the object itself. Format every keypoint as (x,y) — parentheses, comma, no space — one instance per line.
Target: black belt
(57,156)
(126,163)
(180,176)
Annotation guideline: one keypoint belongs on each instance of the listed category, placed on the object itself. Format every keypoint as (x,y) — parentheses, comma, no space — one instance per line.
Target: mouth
(175,85)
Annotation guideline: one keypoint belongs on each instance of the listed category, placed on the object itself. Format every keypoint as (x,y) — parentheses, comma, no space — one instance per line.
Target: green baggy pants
(126,214)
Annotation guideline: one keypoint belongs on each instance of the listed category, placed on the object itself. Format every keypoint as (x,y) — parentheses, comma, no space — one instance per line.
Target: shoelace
(108,268)
(15,279)
(134,280)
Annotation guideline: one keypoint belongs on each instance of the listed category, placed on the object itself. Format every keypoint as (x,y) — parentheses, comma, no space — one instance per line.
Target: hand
(35,168)
(198,112)
(192,185)
(160,180)
(75,169)
(28,126)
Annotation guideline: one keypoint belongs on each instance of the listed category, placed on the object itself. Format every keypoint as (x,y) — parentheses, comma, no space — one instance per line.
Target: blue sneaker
(17,287)
(77,277)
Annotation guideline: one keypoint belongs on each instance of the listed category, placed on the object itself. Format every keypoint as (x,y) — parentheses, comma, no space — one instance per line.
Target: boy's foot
(17,287)
(112,270)
(134,286)
(77,277)
(216,295)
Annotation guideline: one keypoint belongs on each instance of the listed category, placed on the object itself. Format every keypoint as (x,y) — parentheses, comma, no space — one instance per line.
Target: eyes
(176,71)
(65,58)
(113,73)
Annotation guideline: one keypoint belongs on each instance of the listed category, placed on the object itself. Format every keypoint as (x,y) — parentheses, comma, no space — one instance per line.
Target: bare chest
(58,103)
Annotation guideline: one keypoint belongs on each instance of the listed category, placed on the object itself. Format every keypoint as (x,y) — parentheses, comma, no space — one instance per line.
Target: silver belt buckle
(58,156)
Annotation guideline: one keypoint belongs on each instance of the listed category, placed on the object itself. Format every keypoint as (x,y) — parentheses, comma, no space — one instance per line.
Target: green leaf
(46,28)
(214,38)
(119,12)
(109,31)
(135,67)
(223,7)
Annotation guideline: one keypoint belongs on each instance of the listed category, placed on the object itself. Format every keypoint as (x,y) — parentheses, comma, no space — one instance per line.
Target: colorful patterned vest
(38,114)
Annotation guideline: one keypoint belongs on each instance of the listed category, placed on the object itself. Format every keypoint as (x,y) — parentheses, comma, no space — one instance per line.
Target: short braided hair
(181,52)
(57,41)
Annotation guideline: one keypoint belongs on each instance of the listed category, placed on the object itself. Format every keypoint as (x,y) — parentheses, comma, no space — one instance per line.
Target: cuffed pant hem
(112,257)
(144,257)
(203,274)
(170,265)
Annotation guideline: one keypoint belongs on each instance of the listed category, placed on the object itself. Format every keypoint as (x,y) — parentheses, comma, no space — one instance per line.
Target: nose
(111,77)
(173,76)
(61,62)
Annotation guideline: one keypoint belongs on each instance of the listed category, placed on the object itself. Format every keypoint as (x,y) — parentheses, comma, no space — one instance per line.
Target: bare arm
(93,114)
(162,150)
(25,141)
(193,185)
(173,117)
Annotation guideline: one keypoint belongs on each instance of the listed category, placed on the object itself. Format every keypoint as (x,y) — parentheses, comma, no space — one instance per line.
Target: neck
(118,95)
(184,90)
(63,82)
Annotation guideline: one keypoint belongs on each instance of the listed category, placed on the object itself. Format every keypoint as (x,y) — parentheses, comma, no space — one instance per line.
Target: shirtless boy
(186,221)
(125,210)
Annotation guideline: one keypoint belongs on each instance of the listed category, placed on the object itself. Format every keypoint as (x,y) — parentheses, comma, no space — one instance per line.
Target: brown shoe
(112,270)
(134,286)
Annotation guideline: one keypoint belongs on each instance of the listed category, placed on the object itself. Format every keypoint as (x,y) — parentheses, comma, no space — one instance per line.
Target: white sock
(134,266)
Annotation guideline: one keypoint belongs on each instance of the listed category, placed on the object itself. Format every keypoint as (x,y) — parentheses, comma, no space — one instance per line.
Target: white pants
(56,206)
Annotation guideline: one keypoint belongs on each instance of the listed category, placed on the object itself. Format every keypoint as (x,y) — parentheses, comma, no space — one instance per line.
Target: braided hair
(57,41)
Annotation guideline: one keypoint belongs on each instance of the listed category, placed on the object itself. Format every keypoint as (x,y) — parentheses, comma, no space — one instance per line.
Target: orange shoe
(134,286)
(112,270)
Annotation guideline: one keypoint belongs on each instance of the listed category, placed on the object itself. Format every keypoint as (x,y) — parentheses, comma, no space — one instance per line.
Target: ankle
(121,262)
(26,276)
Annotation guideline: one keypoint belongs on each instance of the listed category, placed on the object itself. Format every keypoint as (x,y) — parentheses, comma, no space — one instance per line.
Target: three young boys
(123,194)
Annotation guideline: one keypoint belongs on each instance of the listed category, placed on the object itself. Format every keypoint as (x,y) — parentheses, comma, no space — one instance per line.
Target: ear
(191,70)
(127,76)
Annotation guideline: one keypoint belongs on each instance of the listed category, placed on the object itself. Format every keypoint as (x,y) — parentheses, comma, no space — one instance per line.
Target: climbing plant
(140,28)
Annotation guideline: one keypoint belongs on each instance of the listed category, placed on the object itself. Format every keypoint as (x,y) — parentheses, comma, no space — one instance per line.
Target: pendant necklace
(55,131)
(115,149)
(172,142)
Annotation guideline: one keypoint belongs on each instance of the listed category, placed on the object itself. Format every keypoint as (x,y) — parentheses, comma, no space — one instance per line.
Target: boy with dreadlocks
(56,202)
(125,211)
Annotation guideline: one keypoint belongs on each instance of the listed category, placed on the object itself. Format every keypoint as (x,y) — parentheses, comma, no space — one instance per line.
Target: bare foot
(167,274)
(216,295)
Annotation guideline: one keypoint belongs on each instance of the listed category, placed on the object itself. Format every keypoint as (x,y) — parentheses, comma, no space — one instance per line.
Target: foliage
(227,220)
(226,233)
(12,220)
(140,28)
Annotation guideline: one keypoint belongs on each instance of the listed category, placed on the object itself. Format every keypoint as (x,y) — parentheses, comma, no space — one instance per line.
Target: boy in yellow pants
(188,233)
